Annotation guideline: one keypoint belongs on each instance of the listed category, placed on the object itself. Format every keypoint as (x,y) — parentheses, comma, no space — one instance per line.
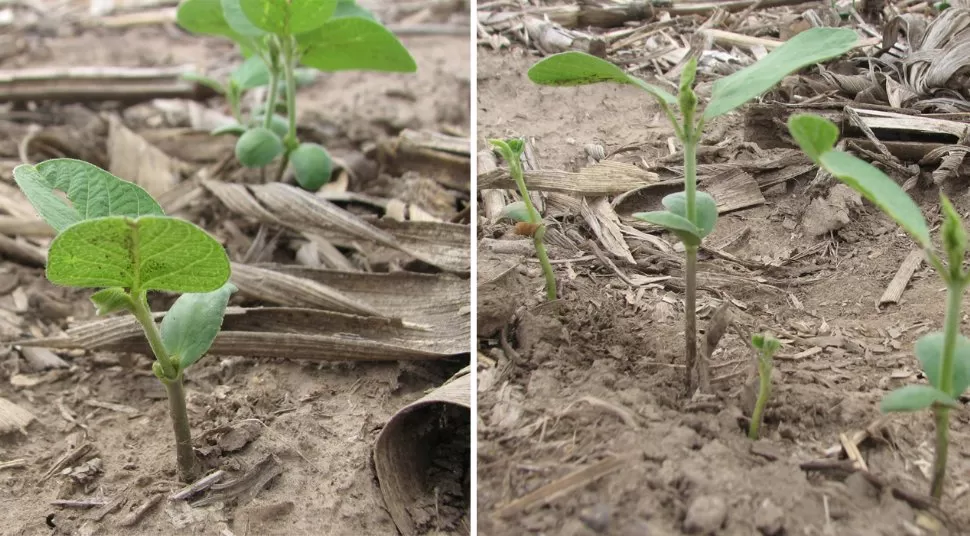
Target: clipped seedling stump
(403,452)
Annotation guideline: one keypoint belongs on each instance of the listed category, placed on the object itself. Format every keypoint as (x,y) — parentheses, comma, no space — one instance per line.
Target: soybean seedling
(691,214)
(326,35)
(115,237)
(945,356)
(524,211)
(766,346)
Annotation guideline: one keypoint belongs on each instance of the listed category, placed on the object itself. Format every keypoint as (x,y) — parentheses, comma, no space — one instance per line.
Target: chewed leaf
(815,135)
(877,187)
(290,17)
(915,398)
(147,253)
(191,325)
(516,211)
(807,48)
(110,300)
(929,351)
(92,191)
(579,68)
(680,225)
(354,43)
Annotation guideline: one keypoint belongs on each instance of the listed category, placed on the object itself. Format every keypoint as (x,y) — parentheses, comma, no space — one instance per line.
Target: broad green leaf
(258,147)
(312,166)
(877,187)
(234,128)
(250,74)
(929,351)
(915,398)
(349,8)
(146,253)
(211,83)
(288,17)
(204,17)
(681,226)
(705,209)
(191,325)
(355,44)
(516,211)
(236,18)
(112,299)
(807,48)
(92,192)
(579,68)
(815,135)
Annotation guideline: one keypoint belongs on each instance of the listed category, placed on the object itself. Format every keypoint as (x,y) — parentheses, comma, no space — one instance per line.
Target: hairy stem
(764,391)
(954,299)
(540,233)
(515,168)
(188,463)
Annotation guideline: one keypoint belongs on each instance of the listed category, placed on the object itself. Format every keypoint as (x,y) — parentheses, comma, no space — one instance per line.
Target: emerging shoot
(766,346)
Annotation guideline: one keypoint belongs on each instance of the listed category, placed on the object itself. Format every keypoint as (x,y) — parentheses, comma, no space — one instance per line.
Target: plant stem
(764,391)
(515,168)
(189,469)
(288,65)
(690,272)
(274,82)
(951,329)
(144,316)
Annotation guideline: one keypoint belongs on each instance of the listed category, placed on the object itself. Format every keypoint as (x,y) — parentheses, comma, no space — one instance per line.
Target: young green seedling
(115,237)
(690,214)
(524,211)
(326,35)
(945,356)
(766,346)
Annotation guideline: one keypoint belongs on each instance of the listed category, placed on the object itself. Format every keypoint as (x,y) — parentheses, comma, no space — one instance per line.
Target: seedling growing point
(766,346)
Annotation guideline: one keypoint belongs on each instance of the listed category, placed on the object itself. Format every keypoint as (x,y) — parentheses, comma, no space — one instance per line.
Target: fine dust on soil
(319,421)
(595,375)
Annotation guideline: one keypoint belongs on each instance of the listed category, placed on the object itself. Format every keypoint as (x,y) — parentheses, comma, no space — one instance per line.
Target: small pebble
(596,518)
(705,515)
(770,519)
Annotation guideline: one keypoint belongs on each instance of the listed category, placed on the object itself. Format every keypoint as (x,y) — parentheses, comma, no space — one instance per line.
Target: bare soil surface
(594,381)
(304,430)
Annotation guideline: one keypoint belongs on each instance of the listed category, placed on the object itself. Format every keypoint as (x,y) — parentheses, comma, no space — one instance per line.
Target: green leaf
(807,48)
(204,17)
(278,124)
(304,77)
(705,209)
(355,44)
(92,191)
(679,225)
(349,8)
(915,398)
(815,135)
(112,299)
(579,68)
(288,17)
(250,74)
(211,83)
(147,253)
(516,211)
(258,147)
(191,325)
(954,237)
(929,351)
(235,129)
(236,18)
(312,166)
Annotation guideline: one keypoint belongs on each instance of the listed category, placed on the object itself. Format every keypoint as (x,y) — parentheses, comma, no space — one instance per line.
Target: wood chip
(604,178)
(894,291)
(13,418)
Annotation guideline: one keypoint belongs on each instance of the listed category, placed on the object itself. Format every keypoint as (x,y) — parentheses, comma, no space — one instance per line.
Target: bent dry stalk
(276,36)
(115,237)
(766,346)
(944,356)
(524,211)
(691,214)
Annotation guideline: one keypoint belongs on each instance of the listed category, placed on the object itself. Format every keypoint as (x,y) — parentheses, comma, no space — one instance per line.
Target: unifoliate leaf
(349,8)
(954,236)
(236,18)
(807,48)
(204,17)
(579,68)
(815,135)
(679,225)
(235,129)
(258,147)
(312,166)
(355,44)
(915,398)
(92,191)
(705,210)
(109,300)
(210,83)
(191,325)
(877,187)
(517,211)
(517,145)
(251,73)
(289,17)
(929,351)
(686,98)
(758,341)
(146,253)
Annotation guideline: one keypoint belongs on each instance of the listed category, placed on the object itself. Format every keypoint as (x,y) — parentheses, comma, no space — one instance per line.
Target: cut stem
(951,330)
(188,463)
